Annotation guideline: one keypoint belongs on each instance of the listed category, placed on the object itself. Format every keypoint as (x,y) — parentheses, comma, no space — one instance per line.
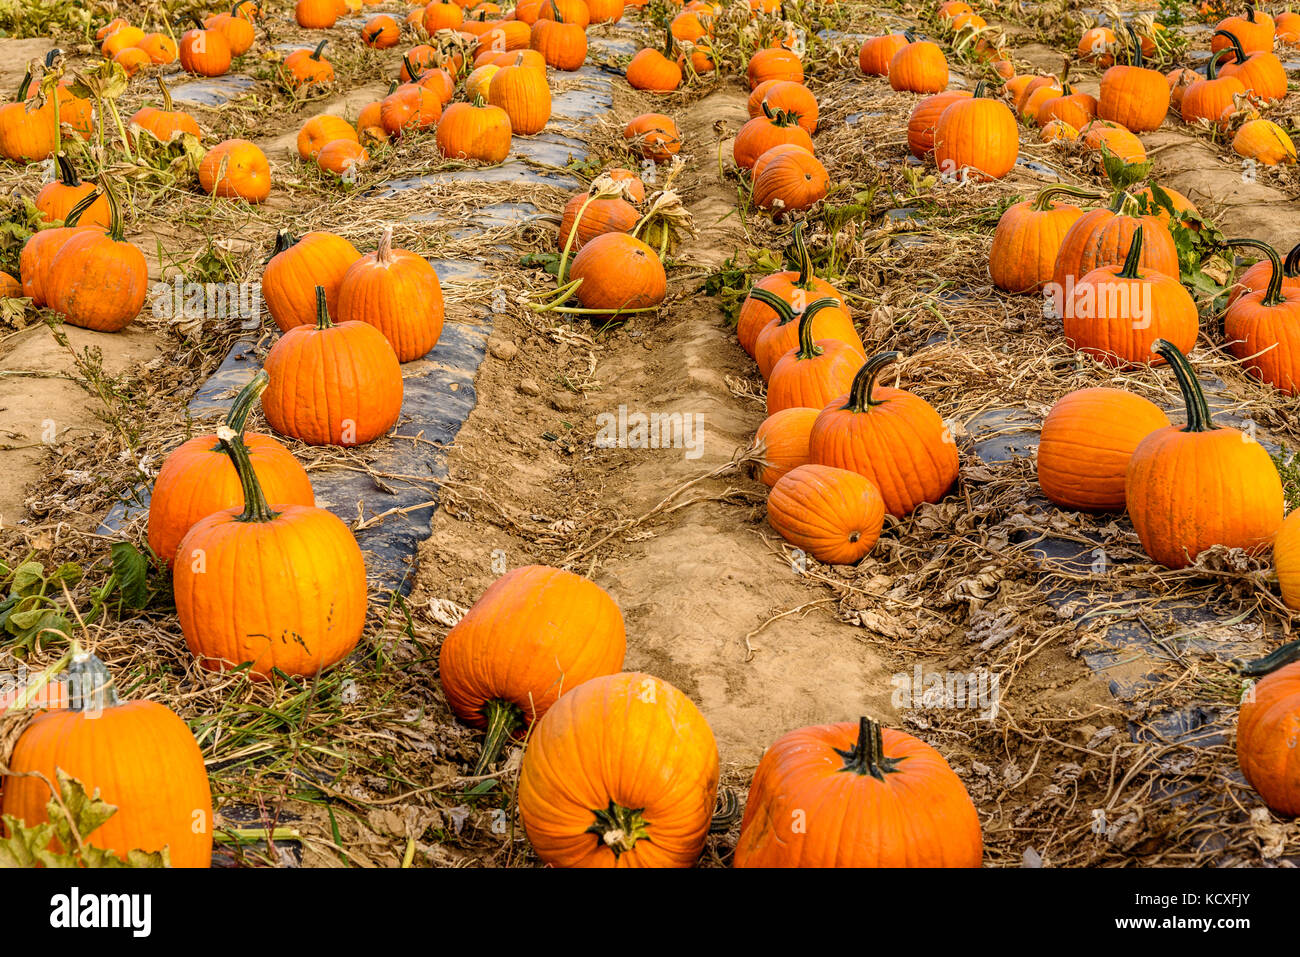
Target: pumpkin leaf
(108,82)
(29,578)
(131,571)
(550,262)
(1120,174)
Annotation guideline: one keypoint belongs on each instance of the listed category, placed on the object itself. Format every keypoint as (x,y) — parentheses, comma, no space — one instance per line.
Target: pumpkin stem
(283,240)
(114,211)
(864,383)
(1134,257)
(867,756)
(409,67)
(24,86)
(67,174)
(1273,293)
(802,257)
(384,252)
(1198,410)
(1043,200)
(234,11)
(1291,265)
(51,56)
(1135,47)
(668,41)
(619,828)
(1237,50)
(90,684)
(784,311)
(323,320)
(31,691)
(1212,67)
(503,717)
(555,11)
(1271,662)
(320,47)
(1250,11)
(83,204)
(237,417)
(479,102)
(255,507)
(980,89)
(166,95)
(808,348)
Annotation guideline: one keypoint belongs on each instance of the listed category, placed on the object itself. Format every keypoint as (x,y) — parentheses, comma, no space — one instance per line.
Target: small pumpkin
(830,320)
(654,136)
(27,136)
(164,124)
(919,67)
(788,179)
(398,293)
(237,30)
(1253,32)
(204,52)
(594,217)
(561,43)
(304,68)
(857,795)
(410,107)
(1029,236)
(40,249)
(316,14)
(441,16)
(1193,487)
(342,157)
(618,272)
(877,53)
(622,771)
(653,70)
(1258,276)
(774,63)
(1265,142)
(1098,46)
(1208,98)
(782,441)
(476,131)
(56,199)
(830,513)
(785,96)
(319,130)
(236,169)
(332,384)
(381,32)
(536,633)
(977,137)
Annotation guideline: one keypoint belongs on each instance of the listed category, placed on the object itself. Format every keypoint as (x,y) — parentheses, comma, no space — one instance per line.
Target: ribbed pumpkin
(166,123)
(332,384)
(561,43)
(1254,31)
(523,93)
(622,771)
(816,370)
(476,131)
(342,157)
(977,137)
(1262,328)
(894,438)
(655,71)
(410,107)
(204,52)
(1258,276)
(98,279)
(1133,96)
(618,272)
(594,217)
(1085,445)
(800,286)
(56,198)
(1265,142)
(322,129)
(1071,107)
(40,249)
(296,268)
(1102,237)
(782,440)
(925,117)
(533,635)
(236,169)
(1098,45)
(1207,99)
(1268,724)
(765,131)
(1114,138)
(829,321)
(237,30)
(1196,486)
(1028,238)
(774,63)
(198,477)
(398,293)
(786,96)
(876,53)
(27,136)
(857,795)
(138,755)
(654,136)
(282,587)
(830,513)
(1118,312)
(381,32)
(919,67)
(1261,72)
(567,11)
(1286,560)
(316,14)
(788,179)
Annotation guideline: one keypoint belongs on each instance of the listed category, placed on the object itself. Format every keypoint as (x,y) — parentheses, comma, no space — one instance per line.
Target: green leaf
(131,569)
(28,578)
(1120,174)
(20,621)
(69,572)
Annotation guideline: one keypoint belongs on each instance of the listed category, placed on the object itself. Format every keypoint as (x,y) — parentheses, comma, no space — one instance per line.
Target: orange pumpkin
(919,67)
(832,514)
(475,130)
(1028,238)
(876,53)
(204,52)
(164,124)
(618,272)
(782,442)
(1268,725)
(976,137)
(296,268)
(654,136)
(398,293)
(236,169)
(319,130)
(1260,326)
(56,199)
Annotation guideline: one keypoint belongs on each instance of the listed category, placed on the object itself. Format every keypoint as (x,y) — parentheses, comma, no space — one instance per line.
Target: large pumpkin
(398,293)
(138,755)
(477,131)
(533,635)
(1197,486)
(830,513)
(296,268)
(925,117)
(236,169)
(976,136)
(622,771)
(618,272)
(1133,96)
(1262,327)
(1028,238)
(857,795)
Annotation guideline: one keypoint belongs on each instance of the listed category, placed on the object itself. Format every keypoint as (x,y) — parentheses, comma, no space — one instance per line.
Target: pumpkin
(763,132)
(788,180)
(1258,276)
(566,11)
(1261,72)
(1133,96)
(198,477)
(1193,487)
(536,633)
(74,111)
(925,117)
(237,30)
(303,68)
(857,795)
(27,135)
(594,217)
(479,82)
(774,63)
(618,272)
(10,288)
(441,16)
(296,268)
(687,26)
(654,136)
(1116,139)
(622,771)
(1261,326)
(1268,724)
(816,371)
(653,70)
(332,384)
(894,438)
(525,96)
(40,249)
(56,199)
(398,293)
(1028,238)
(1265,142)
(131,60)
(1098,45)
(410,107)
(877,53)
(505,36)
(1208,98)
(416,60)
(605,11)
(342,157)
(204,52)
(236,169)
(562,44)
(138,755)
(785,96)
(793,286)
(1034,99)
(1076,109)
(112,26)
(830,321)
(319,130)
(1019,87)
(1253,32)
(832,514)
(1286,27)
(1117,312)
(316,14)
(282,587)
(1179,80)
(1058,130)
(164,124)
(381,32)
(440,82)
(97,279)
(1085,445)
(919,67)
(1180,203)
(782,442)
(629,182)
(476,131)
(119,40)
(977,137)
(1102,237)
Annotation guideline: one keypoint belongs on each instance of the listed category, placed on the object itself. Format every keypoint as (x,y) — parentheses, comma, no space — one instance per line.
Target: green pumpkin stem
(808,348)
(24,86)
(1135,47)
(255,507)
(867,756)
(114,211)
(410,67)
(91,687)
(804,259)
(283,240)
(67,172)
(864,383)
(320,48)
(503,718)
(1042,201)
(80,207)
(234,11)
(1291,265)
(1273,292)
(555,12)
(1212,67)
(619,828)
(1269,663)
(1237,50)
(237,417)
(668,41)
(51,56)
(784,311)
(323,320)
(166,95)
(1134,258)
(1198,410)
(980,89)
